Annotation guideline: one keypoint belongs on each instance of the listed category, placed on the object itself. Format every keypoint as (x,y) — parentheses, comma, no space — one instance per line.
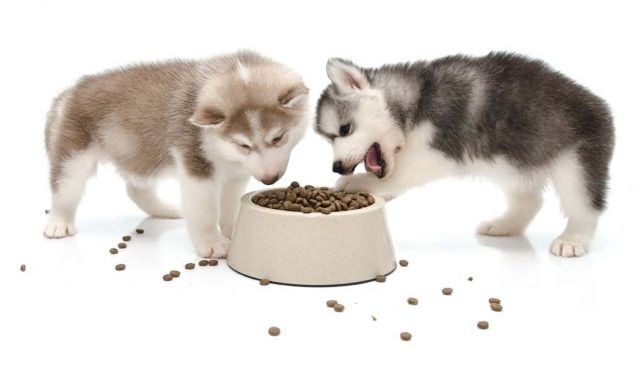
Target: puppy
(502,116)
(213,122)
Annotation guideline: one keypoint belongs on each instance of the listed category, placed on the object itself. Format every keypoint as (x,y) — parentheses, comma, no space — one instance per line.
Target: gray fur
(499,105)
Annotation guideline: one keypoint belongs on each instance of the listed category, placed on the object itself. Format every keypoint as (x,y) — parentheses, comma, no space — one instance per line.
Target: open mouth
(374,161)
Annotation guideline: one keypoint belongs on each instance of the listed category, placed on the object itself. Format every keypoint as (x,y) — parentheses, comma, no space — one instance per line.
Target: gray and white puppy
(214,122)
(502,116)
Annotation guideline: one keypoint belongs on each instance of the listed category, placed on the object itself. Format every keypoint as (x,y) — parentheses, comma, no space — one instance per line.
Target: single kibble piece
(120,267)
(23,268)
(168,277)
(380,278)
(113,251)
(122,245)
(405,336)
(47,212)
(127,238)
(338,308)
(403,263)
(331,303)
(203,263)
(213,262)
(412,301)
(264,281)
(482,325)
(140,231)
(470,278)
(274,331)
(175,273)
(496,307)
(373,318)
(494,300)
(294,184)
(190,266)
(447,291)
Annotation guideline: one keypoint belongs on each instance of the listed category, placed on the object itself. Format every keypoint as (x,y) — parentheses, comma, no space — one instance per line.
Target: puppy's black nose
(269,181)
(337,167)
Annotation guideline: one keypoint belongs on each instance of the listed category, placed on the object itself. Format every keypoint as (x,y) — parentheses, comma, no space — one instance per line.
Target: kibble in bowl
(313,236)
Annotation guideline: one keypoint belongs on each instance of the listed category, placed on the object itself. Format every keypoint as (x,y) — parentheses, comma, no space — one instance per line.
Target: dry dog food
(403,263)
(338,308)
(405,336)
(140,231)
(47,211)
(482,325)
(190,266)
(203,263)
(274,331)
(175,273)
(470,278)
(494,300)
(412,301)
(168,277)
(264,281)
(120,267)
(310,199)
(447,291)
(23,268)
(122,245)
(127,238)
(380,278)
(213,262)
(496,307)
(330,303)
(113,251)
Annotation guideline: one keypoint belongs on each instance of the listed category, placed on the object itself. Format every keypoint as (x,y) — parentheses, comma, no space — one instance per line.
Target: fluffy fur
(213,122)
(502,116)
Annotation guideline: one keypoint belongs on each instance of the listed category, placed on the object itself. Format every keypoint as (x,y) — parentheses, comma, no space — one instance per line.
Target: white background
(70,315)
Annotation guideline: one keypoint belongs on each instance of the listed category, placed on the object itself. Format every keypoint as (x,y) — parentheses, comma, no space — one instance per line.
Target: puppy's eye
(344,130)
(245,147)
(277,139)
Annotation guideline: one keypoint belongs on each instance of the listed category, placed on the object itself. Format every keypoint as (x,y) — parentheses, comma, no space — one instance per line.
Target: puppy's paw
(356,182)
(567,248)
(164,211)
(214,247)
(499,227)
(57,228)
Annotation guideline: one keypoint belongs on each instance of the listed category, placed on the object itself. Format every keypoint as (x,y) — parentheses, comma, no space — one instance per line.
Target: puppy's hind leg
(581,203)
(68,179)
(146,198)
(524,202)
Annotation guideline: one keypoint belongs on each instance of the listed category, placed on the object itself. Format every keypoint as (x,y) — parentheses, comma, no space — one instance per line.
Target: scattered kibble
(373,318)
(190,266)
(483,325)
(405,336)
(120,267)
(212,262)
(447,291)
(274,331)
(23,268)
(127,238)
(175,273)
(331,303)
(496,307)
(122,245)
(140,231)
(494,300)
(264,281)
(168,277)
(403,263)
(203,263)
(338,308)
(47,211)
(380,278)
(113,251)
(470,278)
(412,301)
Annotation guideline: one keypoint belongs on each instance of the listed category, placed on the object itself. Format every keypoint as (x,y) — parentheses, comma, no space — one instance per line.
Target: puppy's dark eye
(277,139)
(344,130)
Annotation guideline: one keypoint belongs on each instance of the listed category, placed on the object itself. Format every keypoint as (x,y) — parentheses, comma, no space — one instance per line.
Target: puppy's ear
(294,96)
(346,76)
(207,117)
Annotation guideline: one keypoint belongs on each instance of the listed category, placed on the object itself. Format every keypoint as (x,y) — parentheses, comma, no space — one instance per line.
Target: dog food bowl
(294,248)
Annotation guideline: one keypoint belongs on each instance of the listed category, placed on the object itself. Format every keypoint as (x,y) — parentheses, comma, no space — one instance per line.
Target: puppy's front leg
(230,200)
(201,202)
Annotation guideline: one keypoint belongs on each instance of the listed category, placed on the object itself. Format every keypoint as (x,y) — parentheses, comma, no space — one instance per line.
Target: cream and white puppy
(214,122)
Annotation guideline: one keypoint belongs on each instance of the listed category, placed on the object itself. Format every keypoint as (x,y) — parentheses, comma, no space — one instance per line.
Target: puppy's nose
(337,167)
(270,180)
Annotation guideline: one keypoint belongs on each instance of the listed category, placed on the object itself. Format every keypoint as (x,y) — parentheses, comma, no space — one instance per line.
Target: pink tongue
(371,160)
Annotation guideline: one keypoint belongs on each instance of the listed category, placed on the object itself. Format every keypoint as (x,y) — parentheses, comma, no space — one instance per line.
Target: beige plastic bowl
(314,249)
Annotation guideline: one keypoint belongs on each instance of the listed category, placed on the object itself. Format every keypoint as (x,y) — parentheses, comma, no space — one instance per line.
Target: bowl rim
(246,200)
